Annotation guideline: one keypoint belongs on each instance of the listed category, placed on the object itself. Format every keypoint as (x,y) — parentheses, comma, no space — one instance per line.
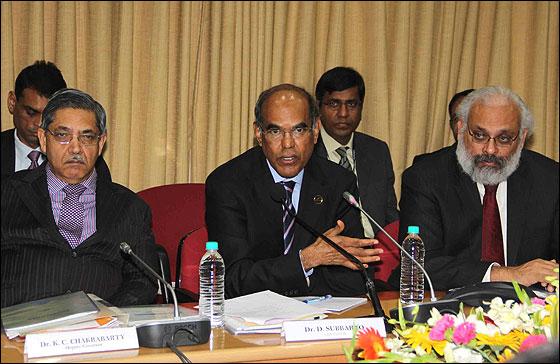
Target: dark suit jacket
(444,202)
(8,156)
(419,157)
(247,224)
(38,262)
(376,178)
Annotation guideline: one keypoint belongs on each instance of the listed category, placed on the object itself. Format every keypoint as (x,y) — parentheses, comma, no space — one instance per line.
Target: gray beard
(487,175)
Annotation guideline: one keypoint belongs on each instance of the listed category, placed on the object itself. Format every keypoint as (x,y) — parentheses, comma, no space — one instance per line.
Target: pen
(318,299)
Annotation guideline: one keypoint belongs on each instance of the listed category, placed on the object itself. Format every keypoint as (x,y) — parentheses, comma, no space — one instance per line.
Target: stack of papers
(264,312)
(21,319)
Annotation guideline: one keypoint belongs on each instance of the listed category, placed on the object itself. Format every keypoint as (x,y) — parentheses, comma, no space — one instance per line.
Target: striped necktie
(344,162)
(288,220)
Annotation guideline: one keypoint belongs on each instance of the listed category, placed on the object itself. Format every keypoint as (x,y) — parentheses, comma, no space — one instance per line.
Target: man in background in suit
(340,94)
(20,145)
(63,221)
(453,118)
(487,207)
(33,86)
(263,248)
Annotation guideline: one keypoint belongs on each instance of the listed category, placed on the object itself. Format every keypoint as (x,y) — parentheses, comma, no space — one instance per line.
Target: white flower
(461,354)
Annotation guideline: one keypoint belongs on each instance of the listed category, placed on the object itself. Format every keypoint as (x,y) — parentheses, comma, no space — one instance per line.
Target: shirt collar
(331,145)
(55,184)
(298,178)
(22,148)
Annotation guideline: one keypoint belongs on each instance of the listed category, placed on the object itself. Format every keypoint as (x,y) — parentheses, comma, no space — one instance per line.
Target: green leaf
(521,294)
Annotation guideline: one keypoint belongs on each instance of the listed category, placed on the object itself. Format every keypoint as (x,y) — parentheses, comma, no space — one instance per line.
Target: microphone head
(350,199)
(125,248)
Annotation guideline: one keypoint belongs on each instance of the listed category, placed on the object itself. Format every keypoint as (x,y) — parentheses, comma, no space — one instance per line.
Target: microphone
(280,197)
(178,331)
(443,306)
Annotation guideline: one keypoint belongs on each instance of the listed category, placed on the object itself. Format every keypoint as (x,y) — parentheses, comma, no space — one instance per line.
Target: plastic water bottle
(211,298)
(412,278)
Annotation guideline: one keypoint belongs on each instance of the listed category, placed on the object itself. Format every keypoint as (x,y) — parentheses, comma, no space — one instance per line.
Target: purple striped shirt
(55,186)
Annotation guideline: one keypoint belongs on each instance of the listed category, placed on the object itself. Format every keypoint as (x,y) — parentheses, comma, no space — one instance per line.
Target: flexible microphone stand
(370,286)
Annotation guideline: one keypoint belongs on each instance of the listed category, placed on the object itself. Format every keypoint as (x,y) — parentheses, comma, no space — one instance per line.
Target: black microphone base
(185,331)
(450,306)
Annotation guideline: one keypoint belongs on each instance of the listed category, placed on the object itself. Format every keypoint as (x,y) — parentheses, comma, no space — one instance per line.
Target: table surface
(224,347)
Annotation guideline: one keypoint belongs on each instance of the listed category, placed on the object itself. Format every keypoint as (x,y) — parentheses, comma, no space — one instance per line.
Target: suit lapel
(520,185)
(313,189)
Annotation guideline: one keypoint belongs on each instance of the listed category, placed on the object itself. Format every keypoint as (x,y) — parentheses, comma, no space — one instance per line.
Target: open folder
(264,312)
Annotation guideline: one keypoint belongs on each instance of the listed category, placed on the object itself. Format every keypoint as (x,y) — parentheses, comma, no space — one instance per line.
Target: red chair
(190,254)
(177,209)
(390,258)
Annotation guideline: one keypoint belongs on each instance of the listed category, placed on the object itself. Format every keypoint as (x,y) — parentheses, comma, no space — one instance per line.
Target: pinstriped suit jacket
(38,262)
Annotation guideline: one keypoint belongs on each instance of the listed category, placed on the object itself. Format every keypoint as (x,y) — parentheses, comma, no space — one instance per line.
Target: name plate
(80,341)
(329,329)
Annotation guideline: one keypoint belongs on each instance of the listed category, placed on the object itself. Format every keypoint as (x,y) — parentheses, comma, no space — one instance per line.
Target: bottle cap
(212,245)
(413,229)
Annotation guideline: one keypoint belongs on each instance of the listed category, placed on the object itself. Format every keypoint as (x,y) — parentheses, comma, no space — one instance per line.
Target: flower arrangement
(506,329)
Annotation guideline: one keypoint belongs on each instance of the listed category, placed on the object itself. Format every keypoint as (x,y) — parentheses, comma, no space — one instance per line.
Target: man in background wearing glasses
(63,221)
(487,208)
(262,246)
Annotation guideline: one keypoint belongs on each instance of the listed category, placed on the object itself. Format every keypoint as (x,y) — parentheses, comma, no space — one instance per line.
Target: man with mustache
(262,246)
(487,208)
(340,94)
(63,221)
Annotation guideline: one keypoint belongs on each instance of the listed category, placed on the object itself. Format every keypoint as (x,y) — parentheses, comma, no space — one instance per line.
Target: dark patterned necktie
(492,245)
(34,156)
(288,219)
(344,162)
(71,221)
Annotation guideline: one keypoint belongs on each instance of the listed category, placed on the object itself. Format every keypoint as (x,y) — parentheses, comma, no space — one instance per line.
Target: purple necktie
(288,219)
(492,245)
(71,221)
(34,156)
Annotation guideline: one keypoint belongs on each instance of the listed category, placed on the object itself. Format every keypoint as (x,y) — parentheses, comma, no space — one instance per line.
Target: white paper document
(263,313)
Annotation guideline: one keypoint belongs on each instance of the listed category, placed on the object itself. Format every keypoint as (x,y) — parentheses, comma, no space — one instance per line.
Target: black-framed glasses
(502,140)
(276,134)
(335,104)
(62,137)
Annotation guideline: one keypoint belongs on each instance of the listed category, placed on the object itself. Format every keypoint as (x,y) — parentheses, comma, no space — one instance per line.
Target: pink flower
(444,323)
(538,301)
(464,333)
(532,341)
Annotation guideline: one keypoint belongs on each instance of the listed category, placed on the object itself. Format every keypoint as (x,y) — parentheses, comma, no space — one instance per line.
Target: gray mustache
(76,158)
(490,159)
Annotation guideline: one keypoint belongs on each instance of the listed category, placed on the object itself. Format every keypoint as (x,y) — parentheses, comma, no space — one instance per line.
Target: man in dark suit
(453,119)
(261,245)
(20,145)
(487,208)
(340,94)
(63,221)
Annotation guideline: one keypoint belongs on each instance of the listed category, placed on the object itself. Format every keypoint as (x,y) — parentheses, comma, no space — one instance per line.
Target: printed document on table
(267,307)
(333,304)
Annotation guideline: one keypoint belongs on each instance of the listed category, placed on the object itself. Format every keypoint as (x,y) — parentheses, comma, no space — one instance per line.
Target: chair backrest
(176,210)
(390,258)
(194,248)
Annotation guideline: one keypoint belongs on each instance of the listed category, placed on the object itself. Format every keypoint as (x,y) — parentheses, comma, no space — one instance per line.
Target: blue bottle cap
(413,229)
(212,245)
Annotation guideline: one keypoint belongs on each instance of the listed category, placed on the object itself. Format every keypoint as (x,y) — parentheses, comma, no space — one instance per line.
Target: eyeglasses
(276,134)
(63,137)
(336,104)
(502,140)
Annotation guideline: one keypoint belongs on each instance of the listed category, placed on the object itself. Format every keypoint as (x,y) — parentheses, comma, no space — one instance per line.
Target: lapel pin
(318,199)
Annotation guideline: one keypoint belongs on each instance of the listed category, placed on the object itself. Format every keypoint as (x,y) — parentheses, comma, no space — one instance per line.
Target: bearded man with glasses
(262,246)
(63,221)
(487,208)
